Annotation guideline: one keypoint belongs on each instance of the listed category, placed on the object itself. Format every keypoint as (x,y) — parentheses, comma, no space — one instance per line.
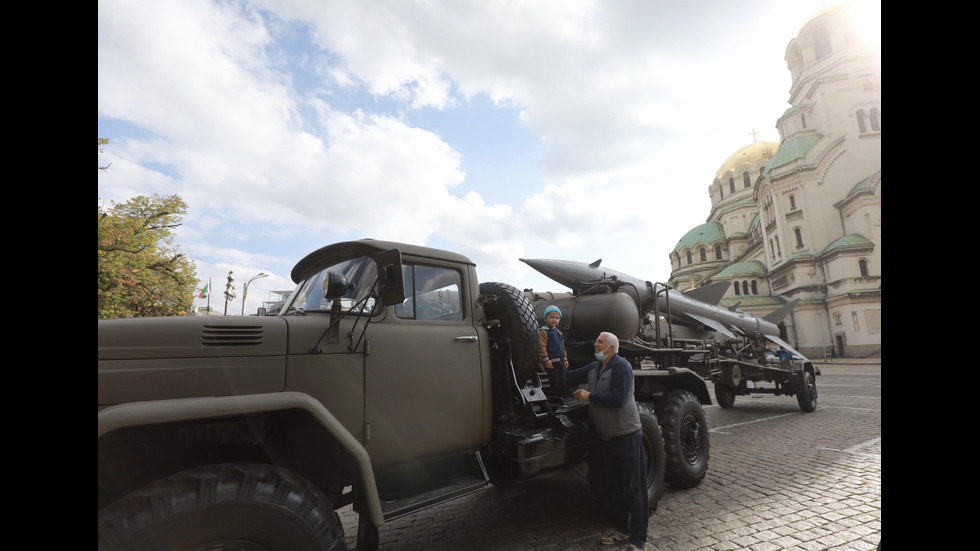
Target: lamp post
(245,289)
(229,291)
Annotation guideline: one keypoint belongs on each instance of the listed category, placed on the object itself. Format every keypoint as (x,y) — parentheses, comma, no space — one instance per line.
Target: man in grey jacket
(612,408)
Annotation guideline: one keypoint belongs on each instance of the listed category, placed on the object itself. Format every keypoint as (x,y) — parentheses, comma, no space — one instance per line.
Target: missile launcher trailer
(674,329)
(391,381)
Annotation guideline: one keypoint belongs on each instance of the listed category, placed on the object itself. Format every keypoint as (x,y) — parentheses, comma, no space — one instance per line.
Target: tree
(142,273)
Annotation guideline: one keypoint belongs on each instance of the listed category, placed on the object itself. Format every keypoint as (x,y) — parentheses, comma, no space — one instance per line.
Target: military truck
(391,381)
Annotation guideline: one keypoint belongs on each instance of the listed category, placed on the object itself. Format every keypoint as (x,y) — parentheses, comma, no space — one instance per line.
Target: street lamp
(245,289)
(229,291)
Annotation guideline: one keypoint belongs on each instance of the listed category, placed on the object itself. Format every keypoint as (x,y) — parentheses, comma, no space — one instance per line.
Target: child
(551,351)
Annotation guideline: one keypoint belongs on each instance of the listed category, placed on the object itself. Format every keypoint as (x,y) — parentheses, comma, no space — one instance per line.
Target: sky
(498,129)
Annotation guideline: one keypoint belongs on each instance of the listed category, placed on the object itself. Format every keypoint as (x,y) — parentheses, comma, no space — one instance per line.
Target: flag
(205,291)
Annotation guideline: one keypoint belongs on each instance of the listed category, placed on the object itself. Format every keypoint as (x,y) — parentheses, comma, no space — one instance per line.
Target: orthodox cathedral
(801,218)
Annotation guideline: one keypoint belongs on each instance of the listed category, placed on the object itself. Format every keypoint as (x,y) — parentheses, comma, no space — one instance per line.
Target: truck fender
(184,409)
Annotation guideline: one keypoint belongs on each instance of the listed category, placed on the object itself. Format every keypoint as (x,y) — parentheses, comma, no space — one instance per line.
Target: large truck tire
(654,458)
(806,393)
(685,431)
(231,506)
(518,325)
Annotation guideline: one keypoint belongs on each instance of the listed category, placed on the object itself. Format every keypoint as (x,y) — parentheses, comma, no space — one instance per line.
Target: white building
(801,218)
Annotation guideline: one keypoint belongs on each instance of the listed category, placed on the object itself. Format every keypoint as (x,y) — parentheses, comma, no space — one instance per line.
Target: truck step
(458,487)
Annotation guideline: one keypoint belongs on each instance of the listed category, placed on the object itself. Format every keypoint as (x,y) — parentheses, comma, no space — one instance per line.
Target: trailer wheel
(234,507)
(806,393)
(685,431)
(654,457)
(725,395)
(518,324)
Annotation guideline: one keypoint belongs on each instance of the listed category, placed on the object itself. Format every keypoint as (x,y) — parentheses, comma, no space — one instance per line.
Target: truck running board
(458,487)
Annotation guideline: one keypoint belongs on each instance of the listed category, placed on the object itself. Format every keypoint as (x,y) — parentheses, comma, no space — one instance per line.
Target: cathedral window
(862,125)
(798,234)
(755,289)
(863,266)
(875,120)
(737,292)
(731,185)
(718,252)
(746,179)
(690,259)
(704,254)
(792,202)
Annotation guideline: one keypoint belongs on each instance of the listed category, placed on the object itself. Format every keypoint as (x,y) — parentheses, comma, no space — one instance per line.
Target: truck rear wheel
(518,325)
(245,507)
(685,431)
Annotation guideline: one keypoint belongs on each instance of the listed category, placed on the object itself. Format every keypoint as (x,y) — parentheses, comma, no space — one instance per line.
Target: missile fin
(711,294)
(595,264)
(717,326)
(734,307)
(778,314)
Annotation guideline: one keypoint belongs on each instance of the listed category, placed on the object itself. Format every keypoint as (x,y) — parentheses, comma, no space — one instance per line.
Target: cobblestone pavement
(777,479)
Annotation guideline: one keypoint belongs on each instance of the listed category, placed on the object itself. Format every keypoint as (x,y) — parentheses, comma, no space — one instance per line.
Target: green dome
(706,233)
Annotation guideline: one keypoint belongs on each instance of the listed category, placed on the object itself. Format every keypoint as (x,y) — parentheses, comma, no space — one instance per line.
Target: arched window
(863,266)
(792,202)
(779,251)
(731,185)
(703,252)
(875,120)
(746,179)
(798,233)
(718,252)
(755,290)
(862,125)
(690,259)
(737,291)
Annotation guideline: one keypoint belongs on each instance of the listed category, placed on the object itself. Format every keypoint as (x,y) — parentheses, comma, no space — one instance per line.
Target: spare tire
(518,325)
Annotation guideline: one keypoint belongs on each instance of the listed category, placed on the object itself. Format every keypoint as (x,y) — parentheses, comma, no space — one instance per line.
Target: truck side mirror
(261,311)
(390,284)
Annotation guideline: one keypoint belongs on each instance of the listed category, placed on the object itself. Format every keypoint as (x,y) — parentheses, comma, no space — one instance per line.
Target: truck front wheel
(244,507)
(685,431)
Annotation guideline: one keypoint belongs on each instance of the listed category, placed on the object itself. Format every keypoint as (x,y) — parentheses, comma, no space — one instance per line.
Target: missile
(695,308)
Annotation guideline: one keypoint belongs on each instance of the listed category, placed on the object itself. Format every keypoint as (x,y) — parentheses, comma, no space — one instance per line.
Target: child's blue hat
(552,309)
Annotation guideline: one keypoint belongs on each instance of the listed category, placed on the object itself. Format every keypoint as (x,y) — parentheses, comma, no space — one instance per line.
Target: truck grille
(241,335)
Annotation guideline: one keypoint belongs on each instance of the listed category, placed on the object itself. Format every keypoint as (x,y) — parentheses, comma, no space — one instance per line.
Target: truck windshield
(361,272)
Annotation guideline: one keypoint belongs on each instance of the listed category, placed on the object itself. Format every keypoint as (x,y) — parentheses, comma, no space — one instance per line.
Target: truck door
(424,383)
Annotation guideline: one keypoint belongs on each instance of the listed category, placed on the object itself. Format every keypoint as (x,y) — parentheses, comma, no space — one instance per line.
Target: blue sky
(566,129)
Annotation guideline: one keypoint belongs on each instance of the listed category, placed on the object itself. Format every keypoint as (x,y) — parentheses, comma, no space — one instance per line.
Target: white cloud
(286,121)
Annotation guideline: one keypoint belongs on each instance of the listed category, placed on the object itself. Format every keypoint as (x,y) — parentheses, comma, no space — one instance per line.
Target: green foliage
(141,271)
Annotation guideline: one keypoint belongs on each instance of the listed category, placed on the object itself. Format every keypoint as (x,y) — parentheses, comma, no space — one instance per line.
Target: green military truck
(391,381)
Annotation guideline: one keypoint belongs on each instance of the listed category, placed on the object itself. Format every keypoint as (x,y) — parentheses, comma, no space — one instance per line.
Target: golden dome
(748,155)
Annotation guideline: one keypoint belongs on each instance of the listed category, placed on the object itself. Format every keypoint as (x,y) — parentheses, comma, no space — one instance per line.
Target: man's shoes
(613,538)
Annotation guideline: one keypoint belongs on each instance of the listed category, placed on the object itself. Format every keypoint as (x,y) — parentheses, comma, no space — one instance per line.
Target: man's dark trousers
(627,486)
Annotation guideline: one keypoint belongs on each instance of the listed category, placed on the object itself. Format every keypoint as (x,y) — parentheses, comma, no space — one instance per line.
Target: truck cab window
(431,293)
